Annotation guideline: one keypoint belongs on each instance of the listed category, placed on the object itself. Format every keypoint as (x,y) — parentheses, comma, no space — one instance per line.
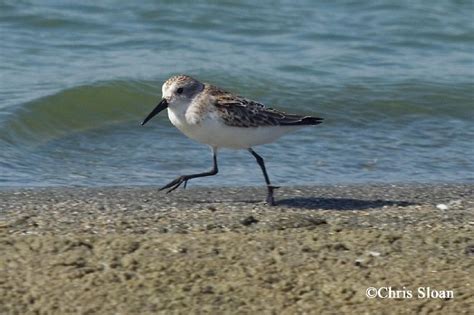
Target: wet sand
(203,250)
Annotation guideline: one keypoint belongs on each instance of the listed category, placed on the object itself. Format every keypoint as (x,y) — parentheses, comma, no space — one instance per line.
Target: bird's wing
(237,111)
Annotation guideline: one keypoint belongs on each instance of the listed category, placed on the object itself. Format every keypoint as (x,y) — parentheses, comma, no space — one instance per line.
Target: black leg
(184,178)
(270,188)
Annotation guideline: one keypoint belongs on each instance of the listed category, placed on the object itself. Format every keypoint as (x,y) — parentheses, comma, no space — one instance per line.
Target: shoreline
(134,250)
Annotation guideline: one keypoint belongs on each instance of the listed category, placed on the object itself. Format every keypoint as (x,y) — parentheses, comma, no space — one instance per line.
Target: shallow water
(393,80)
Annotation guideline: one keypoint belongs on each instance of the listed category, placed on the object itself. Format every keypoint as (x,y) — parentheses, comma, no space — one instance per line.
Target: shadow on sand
(339,203)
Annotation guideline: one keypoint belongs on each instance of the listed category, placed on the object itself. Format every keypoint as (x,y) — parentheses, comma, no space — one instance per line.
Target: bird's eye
(179,91)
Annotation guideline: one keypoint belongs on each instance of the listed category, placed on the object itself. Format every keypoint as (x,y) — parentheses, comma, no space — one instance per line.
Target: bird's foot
(270,200)
(176,183)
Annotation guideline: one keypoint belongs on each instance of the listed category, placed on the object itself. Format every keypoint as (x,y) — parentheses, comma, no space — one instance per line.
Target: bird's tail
(308,120)
(302,121)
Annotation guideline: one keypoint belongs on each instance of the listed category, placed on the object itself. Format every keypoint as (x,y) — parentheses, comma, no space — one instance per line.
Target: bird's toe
(270,201)
(173,184)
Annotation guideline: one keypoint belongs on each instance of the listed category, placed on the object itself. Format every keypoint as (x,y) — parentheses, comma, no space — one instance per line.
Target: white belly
(215,133)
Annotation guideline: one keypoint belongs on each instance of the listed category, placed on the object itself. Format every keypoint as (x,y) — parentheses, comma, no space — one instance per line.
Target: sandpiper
(220,119)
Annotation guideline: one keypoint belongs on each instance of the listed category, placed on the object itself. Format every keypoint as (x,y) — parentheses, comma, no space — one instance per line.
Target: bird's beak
(161,106)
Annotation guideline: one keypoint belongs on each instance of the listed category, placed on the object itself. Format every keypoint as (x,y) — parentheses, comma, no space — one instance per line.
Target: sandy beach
(221,250)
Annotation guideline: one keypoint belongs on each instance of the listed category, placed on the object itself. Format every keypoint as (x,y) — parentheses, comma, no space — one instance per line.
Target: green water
(394,81)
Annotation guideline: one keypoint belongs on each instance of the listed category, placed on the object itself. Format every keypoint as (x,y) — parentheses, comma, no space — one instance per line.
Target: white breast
(213,132)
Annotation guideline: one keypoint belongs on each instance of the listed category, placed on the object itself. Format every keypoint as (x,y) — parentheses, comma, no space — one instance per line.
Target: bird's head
(176,91)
